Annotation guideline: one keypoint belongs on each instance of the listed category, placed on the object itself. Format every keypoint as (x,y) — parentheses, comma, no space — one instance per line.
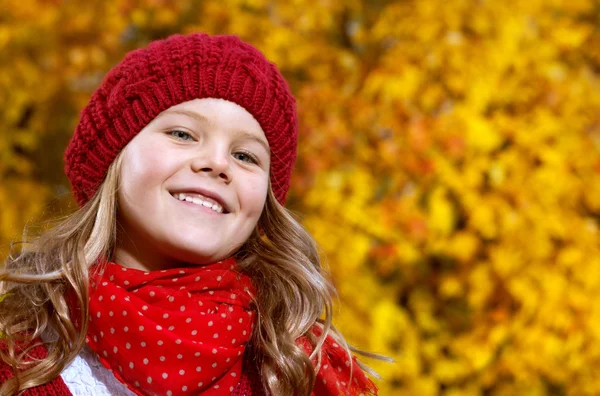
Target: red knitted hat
(175,70)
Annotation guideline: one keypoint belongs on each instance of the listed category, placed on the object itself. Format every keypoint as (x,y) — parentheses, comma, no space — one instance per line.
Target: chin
(200,248)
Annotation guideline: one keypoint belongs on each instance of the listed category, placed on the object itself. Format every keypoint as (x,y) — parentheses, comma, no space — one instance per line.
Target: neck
(139,255)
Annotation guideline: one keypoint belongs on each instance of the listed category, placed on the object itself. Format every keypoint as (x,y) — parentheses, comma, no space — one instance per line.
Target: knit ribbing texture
(172,71)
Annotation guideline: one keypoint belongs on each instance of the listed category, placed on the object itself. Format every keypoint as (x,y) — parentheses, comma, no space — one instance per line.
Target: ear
(260,230)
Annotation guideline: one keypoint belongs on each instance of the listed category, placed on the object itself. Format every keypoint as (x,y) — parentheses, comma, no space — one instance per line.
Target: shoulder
(6,370)
(39,351)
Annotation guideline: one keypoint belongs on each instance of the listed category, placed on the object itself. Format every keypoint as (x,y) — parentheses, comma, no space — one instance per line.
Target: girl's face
(214,153)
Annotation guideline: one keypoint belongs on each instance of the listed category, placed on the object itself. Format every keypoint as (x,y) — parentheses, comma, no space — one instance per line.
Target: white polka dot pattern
(339,374)
(167,332)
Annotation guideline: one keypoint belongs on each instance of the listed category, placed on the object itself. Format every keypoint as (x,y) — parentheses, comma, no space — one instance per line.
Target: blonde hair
(280,256)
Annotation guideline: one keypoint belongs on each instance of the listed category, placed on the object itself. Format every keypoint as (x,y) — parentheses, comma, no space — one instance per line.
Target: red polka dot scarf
(176,331)
(339,373)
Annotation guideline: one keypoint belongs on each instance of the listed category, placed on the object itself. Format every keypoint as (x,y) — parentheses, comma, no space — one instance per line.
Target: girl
(182,272)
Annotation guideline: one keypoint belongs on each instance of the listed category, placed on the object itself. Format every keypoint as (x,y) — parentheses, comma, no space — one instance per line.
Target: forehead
(219,114)
(217,111)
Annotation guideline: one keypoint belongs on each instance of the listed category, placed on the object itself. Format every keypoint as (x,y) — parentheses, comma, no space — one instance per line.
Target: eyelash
(251,156)
(177,130)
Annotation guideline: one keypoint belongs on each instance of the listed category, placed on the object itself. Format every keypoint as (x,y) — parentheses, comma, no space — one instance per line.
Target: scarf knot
(172,332)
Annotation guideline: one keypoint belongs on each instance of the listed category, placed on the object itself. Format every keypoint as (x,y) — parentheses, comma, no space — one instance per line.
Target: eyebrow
(239,132)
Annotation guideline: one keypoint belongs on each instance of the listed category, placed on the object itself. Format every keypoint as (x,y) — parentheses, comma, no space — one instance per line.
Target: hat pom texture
(172,71)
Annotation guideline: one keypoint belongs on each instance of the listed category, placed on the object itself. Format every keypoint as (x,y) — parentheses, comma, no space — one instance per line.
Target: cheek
(141,171)
(142,177)
(255,196)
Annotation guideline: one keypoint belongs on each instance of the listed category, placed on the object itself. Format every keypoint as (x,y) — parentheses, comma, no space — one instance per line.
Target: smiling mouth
(201,201)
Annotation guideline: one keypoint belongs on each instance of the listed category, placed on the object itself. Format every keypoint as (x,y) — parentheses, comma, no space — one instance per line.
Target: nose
(212,162)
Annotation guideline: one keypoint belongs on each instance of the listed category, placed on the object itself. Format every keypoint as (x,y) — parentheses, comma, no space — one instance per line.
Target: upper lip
(206,193)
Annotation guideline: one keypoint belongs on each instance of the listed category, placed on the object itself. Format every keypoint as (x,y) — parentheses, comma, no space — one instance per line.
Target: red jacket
(250,381)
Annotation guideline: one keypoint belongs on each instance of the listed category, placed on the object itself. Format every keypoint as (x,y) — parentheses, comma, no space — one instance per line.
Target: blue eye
(181,135)
(245,156)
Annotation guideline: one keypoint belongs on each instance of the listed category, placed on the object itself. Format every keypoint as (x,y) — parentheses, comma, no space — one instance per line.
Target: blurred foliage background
(449,165)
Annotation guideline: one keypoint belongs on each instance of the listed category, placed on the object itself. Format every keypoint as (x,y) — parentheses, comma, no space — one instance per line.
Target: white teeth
(214,206)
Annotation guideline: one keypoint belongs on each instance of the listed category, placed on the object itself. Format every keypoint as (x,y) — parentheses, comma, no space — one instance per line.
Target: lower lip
(197,207)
